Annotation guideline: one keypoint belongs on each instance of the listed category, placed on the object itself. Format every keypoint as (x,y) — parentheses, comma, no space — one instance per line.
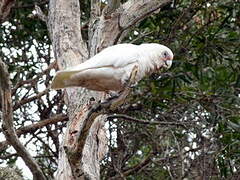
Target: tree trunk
(79,156)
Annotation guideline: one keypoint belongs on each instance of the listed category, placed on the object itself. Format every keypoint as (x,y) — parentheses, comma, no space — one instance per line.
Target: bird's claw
(131,82)
(133,75)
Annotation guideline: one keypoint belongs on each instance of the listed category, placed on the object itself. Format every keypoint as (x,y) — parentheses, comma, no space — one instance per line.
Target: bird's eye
(165,54)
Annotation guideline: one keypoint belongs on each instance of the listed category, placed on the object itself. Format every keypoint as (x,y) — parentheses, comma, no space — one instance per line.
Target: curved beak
(167,64)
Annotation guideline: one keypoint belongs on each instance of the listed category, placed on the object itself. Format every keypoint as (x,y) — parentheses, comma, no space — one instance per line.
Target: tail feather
(62,79)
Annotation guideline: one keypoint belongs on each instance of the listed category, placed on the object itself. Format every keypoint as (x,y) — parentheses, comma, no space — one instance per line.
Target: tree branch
(27,100)
(137,167)
(95,8)
(134,11)
(132,119)
(35,79)
(113,5)
(7,125)
(65,31)
(75,147)
(34,127)
(40,14)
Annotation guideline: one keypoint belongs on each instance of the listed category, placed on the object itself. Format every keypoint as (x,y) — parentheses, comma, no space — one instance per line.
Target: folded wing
(108,61)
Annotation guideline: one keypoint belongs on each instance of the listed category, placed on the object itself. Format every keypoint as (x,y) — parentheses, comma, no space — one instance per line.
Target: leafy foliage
(200,94)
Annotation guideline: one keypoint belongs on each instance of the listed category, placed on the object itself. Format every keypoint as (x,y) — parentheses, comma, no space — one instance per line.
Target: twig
(136,167)
(25,101)
(33,80)
(40,14)
(149,159)
(141,36)
(7,125)
(132,119)
(34,127)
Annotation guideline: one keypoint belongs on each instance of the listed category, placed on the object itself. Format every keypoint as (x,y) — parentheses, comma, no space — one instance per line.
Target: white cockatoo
(110,69)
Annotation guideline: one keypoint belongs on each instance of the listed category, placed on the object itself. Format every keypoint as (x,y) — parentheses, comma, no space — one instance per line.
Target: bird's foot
(131,82)
(133,75)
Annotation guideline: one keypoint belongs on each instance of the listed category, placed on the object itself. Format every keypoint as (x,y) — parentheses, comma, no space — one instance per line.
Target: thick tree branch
(34,127)
(65,31)
(134,11)
(69,49)
(95,8)
(109,29)
(79,138)
(7,125)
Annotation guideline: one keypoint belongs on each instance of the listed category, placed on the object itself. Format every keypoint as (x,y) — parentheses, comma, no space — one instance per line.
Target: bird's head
(164,56)
(158,55)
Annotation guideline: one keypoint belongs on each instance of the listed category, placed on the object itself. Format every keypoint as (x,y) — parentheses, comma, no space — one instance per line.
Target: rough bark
(5,8)
(105,28)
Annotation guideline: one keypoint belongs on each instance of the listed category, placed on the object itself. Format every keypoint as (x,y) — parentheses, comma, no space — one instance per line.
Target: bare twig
(34,127)
(40,14)
(132,119)
(27,100)
(34,80)
(7,126)
(141,36)
(137,167)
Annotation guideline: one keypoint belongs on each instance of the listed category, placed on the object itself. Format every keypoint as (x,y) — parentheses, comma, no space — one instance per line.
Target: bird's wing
(116,56)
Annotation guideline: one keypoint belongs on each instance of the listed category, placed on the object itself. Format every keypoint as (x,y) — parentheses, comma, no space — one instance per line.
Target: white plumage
(111,68)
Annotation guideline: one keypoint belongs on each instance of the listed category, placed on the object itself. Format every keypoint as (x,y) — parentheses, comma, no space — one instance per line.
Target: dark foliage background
(183,123)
